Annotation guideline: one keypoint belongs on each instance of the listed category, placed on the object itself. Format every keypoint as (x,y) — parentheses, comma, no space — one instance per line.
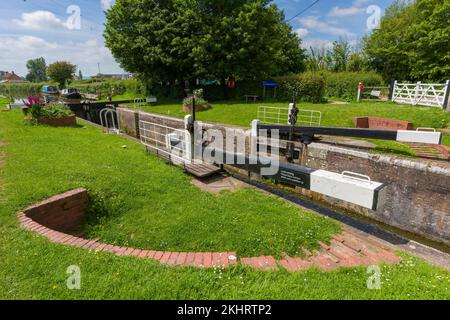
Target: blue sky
(49,28)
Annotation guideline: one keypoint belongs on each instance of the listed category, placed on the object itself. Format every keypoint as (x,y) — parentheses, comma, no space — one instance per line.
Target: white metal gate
(280,115)
(273,115)
(425,94)
(171,143)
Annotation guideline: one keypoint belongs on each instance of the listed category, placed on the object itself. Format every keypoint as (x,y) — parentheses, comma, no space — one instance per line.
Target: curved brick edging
(58,215)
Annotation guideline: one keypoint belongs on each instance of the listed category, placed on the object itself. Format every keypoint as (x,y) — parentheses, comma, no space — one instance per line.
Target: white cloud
(344,12)
(324,44)
(358,3)
(317,44)
(313,23)
(16,50)
(302,32)
(106,4)
(40,20)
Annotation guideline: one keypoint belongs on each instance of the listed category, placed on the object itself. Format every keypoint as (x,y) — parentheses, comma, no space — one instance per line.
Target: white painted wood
(425,94)
(419,136)
(343,187)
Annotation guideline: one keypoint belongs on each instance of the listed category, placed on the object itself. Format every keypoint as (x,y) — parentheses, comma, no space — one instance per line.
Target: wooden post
(393,90)
(416,93)
(446,95)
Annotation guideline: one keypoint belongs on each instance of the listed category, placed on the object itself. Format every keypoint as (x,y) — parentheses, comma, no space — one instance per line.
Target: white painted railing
(171,142)
(273,115)
(109,121)
(280,115)
(424,94)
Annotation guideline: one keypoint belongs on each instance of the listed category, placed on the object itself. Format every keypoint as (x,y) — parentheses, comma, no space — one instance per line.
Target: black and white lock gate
(347,186)
(306,134)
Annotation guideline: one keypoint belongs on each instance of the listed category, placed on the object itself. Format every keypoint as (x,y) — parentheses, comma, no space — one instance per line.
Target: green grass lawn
(238,113)
(4,102)
(138,200)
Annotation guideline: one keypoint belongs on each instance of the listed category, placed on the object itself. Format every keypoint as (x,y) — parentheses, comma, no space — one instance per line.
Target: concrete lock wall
(418,197)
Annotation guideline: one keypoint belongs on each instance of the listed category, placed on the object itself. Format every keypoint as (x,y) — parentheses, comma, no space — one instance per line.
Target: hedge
(309,87)
(344,85)
(21,90)
(119,87)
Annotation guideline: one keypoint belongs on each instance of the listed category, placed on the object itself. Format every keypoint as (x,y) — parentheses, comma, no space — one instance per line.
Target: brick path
(430,151)
(349,249)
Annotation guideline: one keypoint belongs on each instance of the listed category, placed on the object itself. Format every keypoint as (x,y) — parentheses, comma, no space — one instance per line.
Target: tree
(431,32)
(209,39)
(318,59)
(340,55)
(61,71)
(37,70)
(388,46)
(80,75)
(358,62)
(412,41)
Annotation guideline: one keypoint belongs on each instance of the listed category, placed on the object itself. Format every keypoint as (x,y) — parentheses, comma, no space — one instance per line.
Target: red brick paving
(430,150)
(348,249)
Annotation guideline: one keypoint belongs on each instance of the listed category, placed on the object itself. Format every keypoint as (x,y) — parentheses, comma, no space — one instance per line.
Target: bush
(199,100)
(309,87)
(344,85)
(110,87)
(21,90)
(56,110)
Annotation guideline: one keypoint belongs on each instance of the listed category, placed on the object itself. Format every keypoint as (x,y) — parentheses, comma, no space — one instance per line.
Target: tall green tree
(61,71)
(188,39)
(37,70)
(412,42)
(340,55)
(358,62)
(431,38)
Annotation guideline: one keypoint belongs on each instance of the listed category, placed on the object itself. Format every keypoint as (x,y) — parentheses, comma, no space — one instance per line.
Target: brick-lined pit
(56,217)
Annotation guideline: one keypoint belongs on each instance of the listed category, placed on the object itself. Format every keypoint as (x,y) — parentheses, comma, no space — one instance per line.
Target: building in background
(123,76)
(10,77)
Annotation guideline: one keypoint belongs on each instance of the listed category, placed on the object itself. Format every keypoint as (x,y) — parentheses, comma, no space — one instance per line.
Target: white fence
(170,142)
(273,115)
(424,94)
(276,115)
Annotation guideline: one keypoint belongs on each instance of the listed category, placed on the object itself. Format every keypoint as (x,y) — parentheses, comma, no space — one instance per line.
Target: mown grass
(140,201)
(242,114)
(127,184)
(4,102)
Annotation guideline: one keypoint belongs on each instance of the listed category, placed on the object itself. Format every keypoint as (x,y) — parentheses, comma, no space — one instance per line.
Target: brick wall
(127,121)
(418,192)
(64,212)
(418,197)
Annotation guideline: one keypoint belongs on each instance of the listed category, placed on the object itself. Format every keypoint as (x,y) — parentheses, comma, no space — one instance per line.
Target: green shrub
(344,85)
(35,111)
(199,100)
(308,87)
(54,110)
(20,90)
